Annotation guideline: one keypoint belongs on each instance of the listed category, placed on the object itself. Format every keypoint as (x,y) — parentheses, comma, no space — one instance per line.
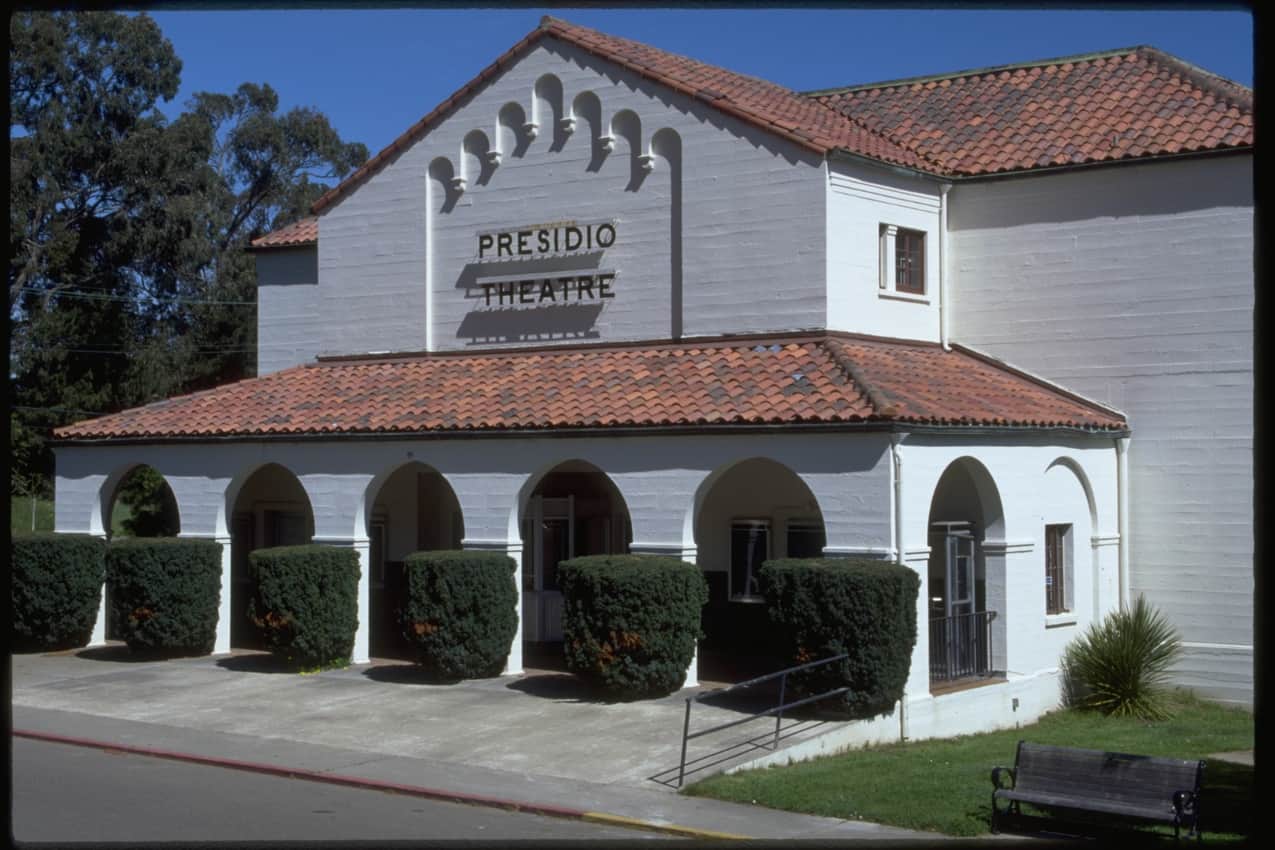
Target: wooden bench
(1144,787)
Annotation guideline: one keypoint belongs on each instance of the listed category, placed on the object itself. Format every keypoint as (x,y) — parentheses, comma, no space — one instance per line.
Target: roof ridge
(880,405)
(1236,94)
(976,72)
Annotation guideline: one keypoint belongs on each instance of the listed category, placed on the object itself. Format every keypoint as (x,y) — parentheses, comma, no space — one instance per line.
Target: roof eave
(861,426)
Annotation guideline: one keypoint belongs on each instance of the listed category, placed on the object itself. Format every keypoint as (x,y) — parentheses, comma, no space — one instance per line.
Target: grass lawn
(20,514)
(945,785)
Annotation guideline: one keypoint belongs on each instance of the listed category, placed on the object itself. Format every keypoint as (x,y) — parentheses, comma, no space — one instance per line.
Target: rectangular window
(1057,568)
(749,547)
(806,540)
(909,261)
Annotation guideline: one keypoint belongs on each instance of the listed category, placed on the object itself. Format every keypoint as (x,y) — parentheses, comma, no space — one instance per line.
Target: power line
(103,296)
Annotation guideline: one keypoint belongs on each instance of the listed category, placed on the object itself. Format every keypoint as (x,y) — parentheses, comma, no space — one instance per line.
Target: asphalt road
(64,793)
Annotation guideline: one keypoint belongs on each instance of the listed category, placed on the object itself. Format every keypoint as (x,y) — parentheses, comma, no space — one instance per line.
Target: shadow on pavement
(406,674)
(121,653)
(262,662)
(559,687)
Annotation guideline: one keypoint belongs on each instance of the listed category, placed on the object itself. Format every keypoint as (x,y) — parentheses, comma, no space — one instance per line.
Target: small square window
(909,262)
(902,260)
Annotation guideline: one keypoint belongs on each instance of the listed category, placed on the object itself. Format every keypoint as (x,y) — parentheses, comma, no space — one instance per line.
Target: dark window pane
(806,540)
(749,546)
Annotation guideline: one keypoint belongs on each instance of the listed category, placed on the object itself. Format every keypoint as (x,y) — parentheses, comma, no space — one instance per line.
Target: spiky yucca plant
(1120,666)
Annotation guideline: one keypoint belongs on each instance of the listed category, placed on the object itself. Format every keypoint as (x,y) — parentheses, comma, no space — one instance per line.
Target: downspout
(944,309)
(1122,516)
(896,473)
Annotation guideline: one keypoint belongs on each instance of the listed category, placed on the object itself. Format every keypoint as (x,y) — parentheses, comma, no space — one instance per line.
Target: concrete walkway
(531,741)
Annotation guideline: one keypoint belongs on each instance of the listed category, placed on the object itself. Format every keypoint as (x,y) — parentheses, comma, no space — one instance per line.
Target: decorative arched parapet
(586,112)
(442,190)
(476,167)
(626,127)
(547,111)
(515,132)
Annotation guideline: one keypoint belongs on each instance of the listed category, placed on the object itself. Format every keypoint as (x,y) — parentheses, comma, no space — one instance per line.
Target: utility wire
(103,296)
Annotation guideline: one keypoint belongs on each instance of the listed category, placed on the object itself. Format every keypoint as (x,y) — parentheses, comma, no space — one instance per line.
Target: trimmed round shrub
(306,602)
(56,585)
(823,607)
(1120,666)
(461,611)
(630,623)
(165,592)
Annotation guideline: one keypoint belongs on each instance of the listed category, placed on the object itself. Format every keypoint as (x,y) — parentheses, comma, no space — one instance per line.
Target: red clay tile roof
(1120,105)
(301,232)
(829,378)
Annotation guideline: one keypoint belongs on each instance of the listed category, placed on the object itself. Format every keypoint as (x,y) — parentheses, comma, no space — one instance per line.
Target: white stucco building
(995,326)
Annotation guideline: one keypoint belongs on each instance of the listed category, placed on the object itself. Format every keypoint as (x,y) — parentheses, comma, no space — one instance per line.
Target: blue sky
(374,72)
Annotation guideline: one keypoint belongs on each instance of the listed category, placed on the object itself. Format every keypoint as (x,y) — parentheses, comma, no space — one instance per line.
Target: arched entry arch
(966,583)
(569,510)
(408,508)
(747,512)
(266,506)
(134,501)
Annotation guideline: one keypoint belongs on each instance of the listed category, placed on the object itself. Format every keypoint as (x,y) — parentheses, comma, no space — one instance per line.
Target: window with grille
(1057,568)
(909,261)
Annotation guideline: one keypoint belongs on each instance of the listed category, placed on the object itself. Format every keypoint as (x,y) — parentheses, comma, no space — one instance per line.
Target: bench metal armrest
(1184,801)
(998,772)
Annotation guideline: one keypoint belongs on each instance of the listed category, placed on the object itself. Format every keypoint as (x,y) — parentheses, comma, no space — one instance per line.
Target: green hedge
(306,602)
(165,592)
(461,611)
(630,622)
(56,585)
(821,607)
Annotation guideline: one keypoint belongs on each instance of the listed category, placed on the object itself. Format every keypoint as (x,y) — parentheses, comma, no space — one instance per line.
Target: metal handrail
(778,710)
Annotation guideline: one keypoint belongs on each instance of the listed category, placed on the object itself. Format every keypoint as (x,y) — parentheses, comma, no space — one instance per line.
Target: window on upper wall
(902,260)
(1057,569)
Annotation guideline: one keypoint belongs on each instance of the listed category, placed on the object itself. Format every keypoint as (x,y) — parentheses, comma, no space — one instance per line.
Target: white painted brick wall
(1134,286)
(752,215)
(289,330)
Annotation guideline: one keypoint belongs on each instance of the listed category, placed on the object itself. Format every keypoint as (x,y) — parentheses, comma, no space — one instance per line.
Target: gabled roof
(827,379)
(801,120)
(1120,105)
(303,231)
(1103,107)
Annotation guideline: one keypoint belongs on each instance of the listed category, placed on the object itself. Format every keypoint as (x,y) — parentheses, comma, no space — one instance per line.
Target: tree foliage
(129,279)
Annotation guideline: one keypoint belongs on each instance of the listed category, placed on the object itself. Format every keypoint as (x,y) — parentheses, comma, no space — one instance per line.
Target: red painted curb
(313,776)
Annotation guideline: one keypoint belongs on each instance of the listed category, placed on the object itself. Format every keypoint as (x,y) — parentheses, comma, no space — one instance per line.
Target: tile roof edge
(414,132)
(1236,94)
(258,244)
(715,341)
(976,72)
(1043,382)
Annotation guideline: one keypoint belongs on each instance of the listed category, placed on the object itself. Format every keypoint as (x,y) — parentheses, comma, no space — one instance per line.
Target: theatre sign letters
(539,265)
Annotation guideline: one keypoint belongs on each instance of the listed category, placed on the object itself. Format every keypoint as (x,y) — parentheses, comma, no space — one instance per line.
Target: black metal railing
(777,710)
(961,646)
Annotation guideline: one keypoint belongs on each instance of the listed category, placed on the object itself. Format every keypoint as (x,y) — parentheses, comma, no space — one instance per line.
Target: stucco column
(1106,579)
(98,637)
(221,642)
(512,548)
(1015,586)
(917,559)
(686,552)
(360,653)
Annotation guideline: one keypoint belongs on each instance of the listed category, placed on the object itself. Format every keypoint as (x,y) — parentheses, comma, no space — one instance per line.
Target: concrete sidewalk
(504,741)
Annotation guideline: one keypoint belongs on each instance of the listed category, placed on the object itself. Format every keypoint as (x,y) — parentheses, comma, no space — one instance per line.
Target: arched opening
(547,110)
(477,165)
(627,127)
(586,108)
(139,504)
(966,577)
(746,514)
(413,509)
(269,509)
(514,130)
(574,510)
